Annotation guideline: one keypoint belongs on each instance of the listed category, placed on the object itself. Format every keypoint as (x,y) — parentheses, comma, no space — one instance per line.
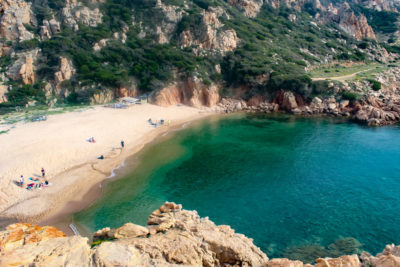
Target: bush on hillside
(320,87)
(376,86)
(349,96)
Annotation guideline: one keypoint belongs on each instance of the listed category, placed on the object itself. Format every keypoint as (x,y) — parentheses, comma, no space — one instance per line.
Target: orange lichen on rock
(20,234)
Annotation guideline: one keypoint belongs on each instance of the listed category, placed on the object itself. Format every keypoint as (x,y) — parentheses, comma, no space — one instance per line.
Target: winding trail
(341,78)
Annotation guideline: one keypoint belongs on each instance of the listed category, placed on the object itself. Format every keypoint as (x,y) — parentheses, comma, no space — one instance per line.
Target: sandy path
(341,78)
(59,145)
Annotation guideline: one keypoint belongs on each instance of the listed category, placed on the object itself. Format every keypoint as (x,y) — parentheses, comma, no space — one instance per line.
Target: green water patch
(300,187)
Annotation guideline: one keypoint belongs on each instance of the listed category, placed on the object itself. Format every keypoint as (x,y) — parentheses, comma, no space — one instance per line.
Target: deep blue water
(297,186)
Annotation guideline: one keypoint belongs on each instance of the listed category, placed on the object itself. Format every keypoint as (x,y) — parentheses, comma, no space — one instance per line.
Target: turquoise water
(300,187)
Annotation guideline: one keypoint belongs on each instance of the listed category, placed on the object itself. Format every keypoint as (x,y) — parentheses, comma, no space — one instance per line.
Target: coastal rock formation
(348,261)
(20,234)
(172,237)
(59,251)
(191,91)
(389,257)
(13,15)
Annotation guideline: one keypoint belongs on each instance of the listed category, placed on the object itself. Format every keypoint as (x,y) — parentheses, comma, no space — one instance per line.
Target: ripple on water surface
(302,188)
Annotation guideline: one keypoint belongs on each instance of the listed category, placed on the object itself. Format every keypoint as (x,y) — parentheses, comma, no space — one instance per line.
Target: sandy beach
(60,146)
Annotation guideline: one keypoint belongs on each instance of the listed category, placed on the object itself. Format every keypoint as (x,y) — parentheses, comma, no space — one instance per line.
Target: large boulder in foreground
(20,234)
(172,237)
(61,251)
(181,237)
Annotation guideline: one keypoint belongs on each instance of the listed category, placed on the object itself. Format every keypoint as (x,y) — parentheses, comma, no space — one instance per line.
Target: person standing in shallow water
(43,172)
(122,143)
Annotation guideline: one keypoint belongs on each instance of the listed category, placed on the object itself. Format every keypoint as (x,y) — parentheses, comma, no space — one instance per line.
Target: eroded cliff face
(190,91)
(357,27)
(250,8)
(172,237)
(75,12)
(14,14)
(342,14)
(209,35)
(380,5)
(24,67)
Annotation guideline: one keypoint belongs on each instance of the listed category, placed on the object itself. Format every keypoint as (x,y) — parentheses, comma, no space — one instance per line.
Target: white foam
(74,229)
(113,170)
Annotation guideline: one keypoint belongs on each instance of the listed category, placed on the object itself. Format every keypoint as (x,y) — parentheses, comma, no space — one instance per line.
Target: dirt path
(341,78)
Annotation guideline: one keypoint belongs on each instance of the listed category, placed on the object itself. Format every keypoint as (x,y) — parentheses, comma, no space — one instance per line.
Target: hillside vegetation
(87,48)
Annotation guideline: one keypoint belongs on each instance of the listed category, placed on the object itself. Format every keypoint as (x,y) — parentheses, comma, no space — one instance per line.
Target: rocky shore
(172,237)
(355,100)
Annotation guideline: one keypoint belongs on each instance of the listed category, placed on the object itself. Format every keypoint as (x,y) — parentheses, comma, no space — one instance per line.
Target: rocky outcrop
(340,13)
(63,251)
(209,34)
(101,97)
(100,44)
(24,67)
(49,28)
(75,12)
(172,237)
(250,8)
(357,27)
(27,72)
(20,234)
(171,16)
(190,91)
(13,15)
(66,71)
(380,5)
(388,258)
(3,91)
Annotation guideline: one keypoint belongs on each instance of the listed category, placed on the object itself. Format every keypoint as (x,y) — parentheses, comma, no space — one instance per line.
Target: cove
(302,188)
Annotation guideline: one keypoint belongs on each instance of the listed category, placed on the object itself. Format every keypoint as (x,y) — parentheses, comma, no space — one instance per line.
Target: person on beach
(101,157)
(43,172)
(21,180)
(122,143)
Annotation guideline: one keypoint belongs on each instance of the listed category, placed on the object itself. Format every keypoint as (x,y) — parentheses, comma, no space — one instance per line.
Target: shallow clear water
(300,187)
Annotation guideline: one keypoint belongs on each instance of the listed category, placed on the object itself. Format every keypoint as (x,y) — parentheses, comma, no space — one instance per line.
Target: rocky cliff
(14,15)
(180,52)
(172,237)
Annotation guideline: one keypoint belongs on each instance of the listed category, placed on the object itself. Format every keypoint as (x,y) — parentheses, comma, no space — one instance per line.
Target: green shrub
(27,44)
(297,83)
(349,96)
(320,87)
(376,86)
(20,95)
(363,45)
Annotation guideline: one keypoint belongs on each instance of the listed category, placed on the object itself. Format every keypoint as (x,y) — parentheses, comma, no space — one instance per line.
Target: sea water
(300,187)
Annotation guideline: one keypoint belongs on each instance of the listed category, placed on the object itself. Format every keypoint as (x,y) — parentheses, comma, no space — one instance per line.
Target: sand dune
(60,146)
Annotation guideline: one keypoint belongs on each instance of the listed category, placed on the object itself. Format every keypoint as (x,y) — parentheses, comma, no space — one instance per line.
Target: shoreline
(62,217)
(77,186)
